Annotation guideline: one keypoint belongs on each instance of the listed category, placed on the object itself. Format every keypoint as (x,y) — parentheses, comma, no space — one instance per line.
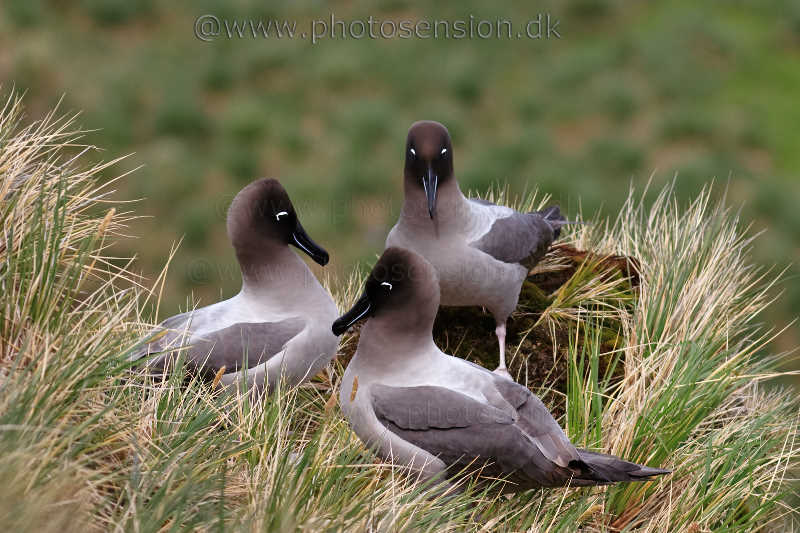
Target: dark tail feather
(600,469)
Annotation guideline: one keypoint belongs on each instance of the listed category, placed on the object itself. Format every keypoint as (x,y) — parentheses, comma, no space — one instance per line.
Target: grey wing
(535,419)
(589,468)
(521,237)
(244,344)
(467,434)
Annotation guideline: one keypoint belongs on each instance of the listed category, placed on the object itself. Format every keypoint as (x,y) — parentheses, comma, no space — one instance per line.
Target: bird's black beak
(361,309)
(301,239)
(430,182)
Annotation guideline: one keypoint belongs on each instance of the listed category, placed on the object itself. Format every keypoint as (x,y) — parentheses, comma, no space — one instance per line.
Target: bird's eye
(444,151)
(279,215)
(412,152)
(387,284)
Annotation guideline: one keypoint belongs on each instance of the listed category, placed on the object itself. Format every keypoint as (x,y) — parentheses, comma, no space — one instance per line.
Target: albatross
(481,251)
(418,407)
(277,326)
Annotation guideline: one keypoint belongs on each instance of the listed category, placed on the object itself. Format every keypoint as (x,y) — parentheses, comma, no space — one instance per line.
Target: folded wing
(521,237)
(244,344)
(468,434)
(515,437)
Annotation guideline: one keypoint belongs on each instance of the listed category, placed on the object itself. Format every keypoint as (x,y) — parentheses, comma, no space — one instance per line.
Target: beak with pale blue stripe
(361,309)
(301,240)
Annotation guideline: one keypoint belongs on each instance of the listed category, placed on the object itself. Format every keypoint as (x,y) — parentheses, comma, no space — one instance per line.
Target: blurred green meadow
(630,94)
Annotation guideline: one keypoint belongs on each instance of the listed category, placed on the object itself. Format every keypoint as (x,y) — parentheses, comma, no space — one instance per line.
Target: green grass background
(707,91)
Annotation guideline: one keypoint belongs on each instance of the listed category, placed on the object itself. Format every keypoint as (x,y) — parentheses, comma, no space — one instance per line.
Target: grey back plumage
(429,407)
(521,237)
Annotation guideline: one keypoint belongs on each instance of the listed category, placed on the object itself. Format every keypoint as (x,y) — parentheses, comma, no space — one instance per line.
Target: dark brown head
(402,287)
(429,159)
(260,217)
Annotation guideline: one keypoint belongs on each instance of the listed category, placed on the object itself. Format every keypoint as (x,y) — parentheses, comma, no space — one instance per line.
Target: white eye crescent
(279,215)
(413,152)
(387,284)
(444,151)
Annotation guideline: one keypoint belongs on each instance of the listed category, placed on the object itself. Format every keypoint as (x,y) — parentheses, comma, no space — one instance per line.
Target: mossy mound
(468,332)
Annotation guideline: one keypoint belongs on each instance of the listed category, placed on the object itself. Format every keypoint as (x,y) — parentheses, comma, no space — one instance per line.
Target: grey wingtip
(647,472)
(556,220)
(609,468)
(561,223)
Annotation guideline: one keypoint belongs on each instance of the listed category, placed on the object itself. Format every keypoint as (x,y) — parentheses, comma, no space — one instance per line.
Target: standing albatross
(276,326)
(481,251)
(419,407)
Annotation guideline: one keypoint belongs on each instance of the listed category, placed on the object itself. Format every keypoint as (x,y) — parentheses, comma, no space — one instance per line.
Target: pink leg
(500,331)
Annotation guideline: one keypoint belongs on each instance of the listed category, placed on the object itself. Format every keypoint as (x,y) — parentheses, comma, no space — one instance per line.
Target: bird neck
(277,274)
(383,346)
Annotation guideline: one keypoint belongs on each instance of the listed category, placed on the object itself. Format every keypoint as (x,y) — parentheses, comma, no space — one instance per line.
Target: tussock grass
(88,443)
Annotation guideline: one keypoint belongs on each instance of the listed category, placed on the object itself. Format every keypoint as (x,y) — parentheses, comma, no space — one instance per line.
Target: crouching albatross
(481,251)
(278,324)
(438,414)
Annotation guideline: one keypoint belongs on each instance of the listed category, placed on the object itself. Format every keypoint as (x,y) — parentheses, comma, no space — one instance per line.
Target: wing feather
(521,237)
(464,432)
(241,344)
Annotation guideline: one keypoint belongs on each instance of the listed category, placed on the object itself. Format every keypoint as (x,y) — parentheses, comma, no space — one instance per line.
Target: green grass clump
(86,442)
